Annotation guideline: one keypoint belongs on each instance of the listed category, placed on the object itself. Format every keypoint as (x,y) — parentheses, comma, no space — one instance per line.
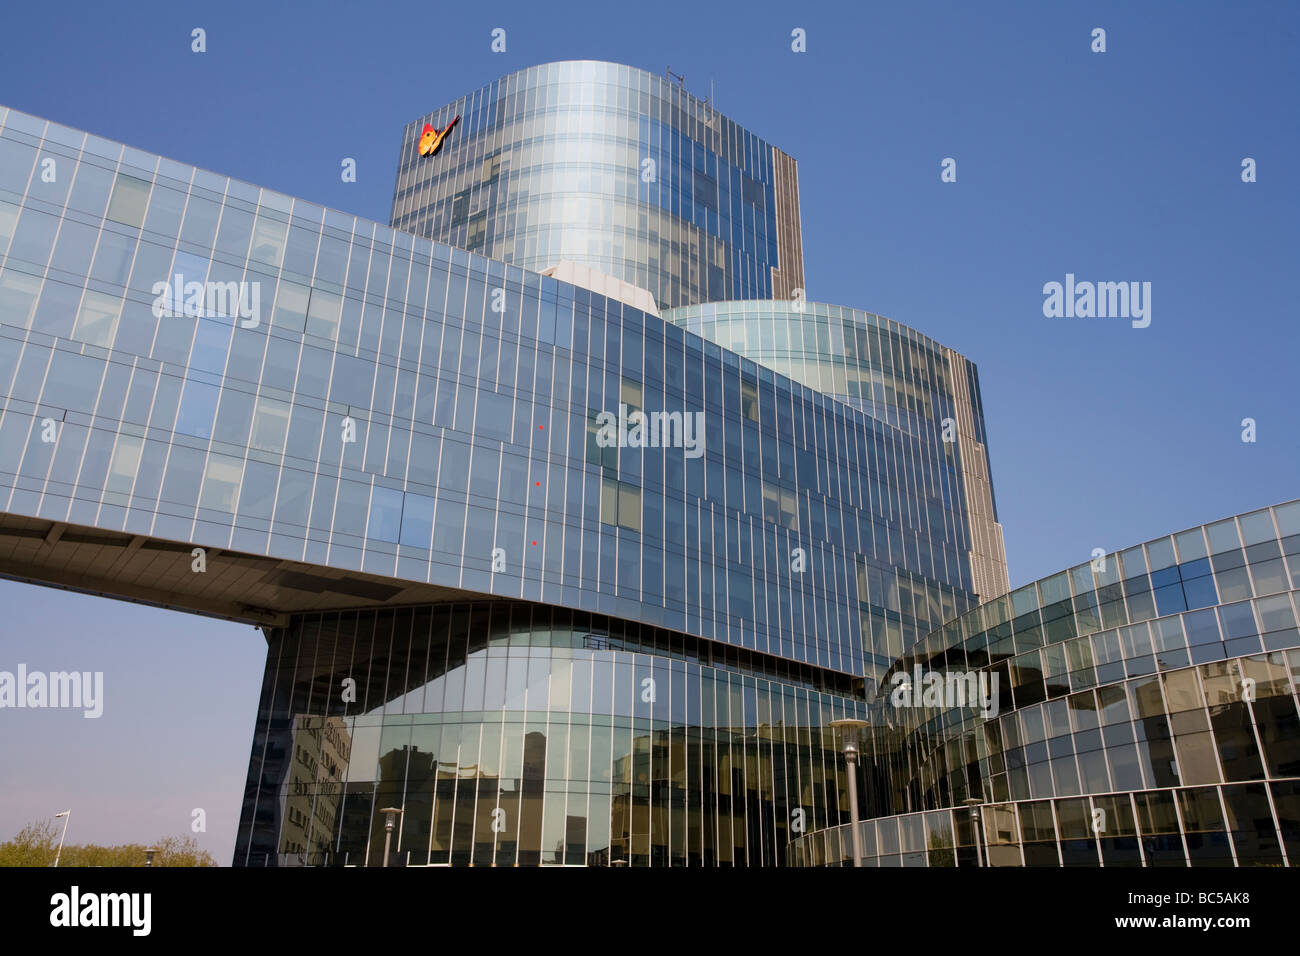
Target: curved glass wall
(1244,824)
(517,734)
(613,167)
(1156,685)
(891,372)
(888,371)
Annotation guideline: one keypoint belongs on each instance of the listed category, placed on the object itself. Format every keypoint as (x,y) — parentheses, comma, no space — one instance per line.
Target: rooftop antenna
(681,80)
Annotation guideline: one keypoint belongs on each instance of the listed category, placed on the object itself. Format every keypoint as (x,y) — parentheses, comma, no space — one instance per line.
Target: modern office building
(1146,716)
(565,582)
(615,168)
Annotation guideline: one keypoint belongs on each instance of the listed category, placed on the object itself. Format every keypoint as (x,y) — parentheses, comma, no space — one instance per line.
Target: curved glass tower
(612,167)
(1145,714)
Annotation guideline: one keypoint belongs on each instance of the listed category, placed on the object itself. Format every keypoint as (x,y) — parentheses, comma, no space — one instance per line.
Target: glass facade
(621,654)
(383,417)
(612,167)
(1147,715)
(891,372)
(193,361)
(522,734)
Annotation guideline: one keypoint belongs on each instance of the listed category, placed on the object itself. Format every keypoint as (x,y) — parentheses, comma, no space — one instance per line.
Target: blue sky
(1122,166)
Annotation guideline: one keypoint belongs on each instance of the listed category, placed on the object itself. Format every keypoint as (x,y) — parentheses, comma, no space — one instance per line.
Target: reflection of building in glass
(314,788)
(584,765)
(1147,717)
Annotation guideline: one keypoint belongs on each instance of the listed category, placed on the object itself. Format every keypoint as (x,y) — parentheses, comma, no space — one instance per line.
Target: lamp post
(390,815)
(849,728)
(149,852)
(67,815)
(974,804)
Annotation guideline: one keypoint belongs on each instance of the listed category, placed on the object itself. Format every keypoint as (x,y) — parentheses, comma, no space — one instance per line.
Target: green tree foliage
(37,843)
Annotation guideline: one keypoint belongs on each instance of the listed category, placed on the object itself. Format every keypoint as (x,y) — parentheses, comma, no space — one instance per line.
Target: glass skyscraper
(613,167)
(566,573)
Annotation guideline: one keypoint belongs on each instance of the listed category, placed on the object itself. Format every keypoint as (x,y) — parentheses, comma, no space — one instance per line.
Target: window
(8,218)
(191,273)
(211,346)
(257,490)
(184,473)
(630,394)
(477,231)
(385,514)
(620,504)
(268,241)
(34,237)
(705,190)
(198,408)
(270,425)
(291,306)
(495,415)
(126,457)
(221,485)
(459,209)
(351,508)
(606,456)
(417,521)
(97,320)
(113,259)
(200,225)
(165,208)
(73,381)
(323,314)
(129,202)
(18,293)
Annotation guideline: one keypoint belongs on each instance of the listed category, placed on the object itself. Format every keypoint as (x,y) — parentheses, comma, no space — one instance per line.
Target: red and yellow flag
(431,139)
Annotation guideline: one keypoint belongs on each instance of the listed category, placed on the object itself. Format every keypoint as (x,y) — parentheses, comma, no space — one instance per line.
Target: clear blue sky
(1116,166)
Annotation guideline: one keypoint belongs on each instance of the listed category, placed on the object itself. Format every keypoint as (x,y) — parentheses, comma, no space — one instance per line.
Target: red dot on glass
(534,544)
(540,427)
(539,484)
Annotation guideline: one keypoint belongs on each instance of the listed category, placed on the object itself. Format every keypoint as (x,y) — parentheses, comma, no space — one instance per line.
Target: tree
(182,851)
(37,843)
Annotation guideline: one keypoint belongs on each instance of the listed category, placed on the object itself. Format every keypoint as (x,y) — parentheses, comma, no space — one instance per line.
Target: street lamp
(148,855)
(974,804)
(390,815)
(849,728)
(67,815)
